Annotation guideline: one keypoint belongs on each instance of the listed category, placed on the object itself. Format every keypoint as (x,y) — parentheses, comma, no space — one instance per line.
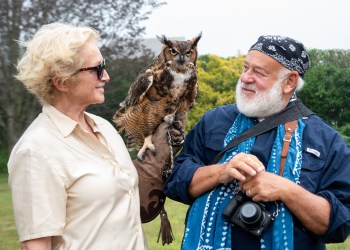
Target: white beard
(262,104)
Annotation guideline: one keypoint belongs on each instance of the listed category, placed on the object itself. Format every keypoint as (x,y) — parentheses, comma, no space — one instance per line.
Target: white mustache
(251,87)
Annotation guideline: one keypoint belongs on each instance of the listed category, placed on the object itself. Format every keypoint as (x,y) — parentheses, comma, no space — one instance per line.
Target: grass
(176,213)
(8,233)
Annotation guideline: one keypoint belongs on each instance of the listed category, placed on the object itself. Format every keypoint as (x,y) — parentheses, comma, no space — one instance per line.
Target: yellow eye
(188,53)
(173,52)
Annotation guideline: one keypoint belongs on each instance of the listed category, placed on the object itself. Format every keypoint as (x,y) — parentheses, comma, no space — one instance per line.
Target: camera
(251,216)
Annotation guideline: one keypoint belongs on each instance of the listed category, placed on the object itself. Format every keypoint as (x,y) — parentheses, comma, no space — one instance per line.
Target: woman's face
(88,88)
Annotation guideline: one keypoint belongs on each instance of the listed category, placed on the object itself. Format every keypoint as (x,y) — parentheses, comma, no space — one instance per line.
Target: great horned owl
(165,88)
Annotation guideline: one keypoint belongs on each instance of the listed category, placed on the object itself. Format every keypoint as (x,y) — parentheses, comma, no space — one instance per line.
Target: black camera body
(251,216)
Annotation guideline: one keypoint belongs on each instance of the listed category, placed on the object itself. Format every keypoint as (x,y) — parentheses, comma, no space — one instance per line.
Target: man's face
(259,91)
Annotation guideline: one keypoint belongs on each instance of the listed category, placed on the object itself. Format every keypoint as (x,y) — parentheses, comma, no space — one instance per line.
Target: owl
(162,90)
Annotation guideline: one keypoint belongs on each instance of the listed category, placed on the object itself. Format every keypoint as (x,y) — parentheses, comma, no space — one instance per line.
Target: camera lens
(250,214)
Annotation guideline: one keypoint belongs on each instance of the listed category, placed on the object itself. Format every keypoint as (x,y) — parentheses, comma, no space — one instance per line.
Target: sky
(230,27)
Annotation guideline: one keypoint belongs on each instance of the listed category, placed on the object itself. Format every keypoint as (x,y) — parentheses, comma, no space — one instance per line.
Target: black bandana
(287,51)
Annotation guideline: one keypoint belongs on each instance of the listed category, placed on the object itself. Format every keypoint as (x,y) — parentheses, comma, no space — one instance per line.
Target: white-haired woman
(73,183)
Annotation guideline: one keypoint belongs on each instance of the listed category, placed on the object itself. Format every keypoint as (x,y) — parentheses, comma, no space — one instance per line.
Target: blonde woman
(73,183)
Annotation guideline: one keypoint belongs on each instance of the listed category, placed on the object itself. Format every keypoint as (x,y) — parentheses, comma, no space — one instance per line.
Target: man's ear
(59,84)
(291,82)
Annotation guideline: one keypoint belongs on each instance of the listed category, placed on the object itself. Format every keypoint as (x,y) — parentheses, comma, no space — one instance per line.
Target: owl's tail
(119,119)
(127,124)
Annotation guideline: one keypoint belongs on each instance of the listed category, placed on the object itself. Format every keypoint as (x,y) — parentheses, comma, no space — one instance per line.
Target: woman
(73,183)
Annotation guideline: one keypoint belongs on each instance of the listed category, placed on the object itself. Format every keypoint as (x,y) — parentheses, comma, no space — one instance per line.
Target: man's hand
(268,187)
(240,167)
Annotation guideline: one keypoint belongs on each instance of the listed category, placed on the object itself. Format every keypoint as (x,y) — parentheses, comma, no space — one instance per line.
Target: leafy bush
(217,78)
(345,132)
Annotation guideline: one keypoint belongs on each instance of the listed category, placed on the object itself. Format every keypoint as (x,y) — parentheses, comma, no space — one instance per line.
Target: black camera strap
(292,112)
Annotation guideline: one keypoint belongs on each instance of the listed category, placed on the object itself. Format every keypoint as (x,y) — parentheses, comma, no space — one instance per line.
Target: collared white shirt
(69,184)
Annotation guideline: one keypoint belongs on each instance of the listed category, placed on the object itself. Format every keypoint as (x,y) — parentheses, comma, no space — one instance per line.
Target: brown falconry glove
(153,170)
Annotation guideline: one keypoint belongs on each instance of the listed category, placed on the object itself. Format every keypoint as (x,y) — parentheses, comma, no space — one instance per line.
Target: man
(309,199)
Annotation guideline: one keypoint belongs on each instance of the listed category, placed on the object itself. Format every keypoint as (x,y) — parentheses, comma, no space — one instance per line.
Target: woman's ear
(291,82)
(59,84)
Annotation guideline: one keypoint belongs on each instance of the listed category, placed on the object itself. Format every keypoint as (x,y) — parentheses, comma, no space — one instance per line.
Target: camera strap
(292,112)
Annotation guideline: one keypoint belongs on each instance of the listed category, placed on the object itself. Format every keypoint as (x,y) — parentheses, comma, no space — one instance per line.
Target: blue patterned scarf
(205,226)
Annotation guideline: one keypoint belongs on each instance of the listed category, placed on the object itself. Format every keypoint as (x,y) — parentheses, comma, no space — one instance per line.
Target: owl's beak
(182,59)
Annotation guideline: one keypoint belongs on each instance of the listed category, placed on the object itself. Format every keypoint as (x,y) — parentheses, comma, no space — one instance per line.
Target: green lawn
(8,234)
(176,213)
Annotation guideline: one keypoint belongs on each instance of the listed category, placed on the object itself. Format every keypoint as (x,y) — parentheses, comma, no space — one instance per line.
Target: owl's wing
(139,88)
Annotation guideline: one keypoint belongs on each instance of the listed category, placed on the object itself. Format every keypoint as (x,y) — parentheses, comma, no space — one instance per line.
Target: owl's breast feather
(180,78)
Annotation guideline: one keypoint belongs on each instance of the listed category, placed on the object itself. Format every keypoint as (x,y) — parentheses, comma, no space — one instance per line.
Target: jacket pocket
(312,168)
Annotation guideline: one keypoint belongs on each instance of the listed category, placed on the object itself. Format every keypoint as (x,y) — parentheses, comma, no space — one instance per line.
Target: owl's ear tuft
(196,39)
(164,40)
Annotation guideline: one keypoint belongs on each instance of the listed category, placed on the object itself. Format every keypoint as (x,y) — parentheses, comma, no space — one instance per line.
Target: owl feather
(162,90)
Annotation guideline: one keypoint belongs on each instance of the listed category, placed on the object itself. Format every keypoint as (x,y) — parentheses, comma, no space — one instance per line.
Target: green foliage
(345,132)
(327,89)
(336,57)
(217,79)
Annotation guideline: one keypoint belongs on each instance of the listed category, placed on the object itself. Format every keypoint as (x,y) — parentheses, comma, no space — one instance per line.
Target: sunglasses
(99,69)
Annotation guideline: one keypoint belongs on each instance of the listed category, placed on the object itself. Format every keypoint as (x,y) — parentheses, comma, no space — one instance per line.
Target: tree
(119,21)
(327,85)
(217,78)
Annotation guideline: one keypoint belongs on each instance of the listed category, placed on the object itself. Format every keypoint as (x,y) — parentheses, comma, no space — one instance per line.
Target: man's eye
(259,73)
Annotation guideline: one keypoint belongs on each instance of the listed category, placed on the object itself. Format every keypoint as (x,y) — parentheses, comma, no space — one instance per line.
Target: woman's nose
(105,76)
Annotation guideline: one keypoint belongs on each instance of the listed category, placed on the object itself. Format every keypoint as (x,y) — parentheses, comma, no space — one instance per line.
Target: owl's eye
(173,52)
(188,53)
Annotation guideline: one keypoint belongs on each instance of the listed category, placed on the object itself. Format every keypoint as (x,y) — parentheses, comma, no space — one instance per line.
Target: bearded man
(305,202)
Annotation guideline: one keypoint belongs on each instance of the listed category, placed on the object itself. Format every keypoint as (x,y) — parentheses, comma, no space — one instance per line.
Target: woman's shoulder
(39,135)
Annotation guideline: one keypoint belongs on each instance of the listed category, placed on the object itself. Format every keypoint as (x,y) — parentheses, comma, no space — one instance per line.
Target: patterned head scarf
(287,51)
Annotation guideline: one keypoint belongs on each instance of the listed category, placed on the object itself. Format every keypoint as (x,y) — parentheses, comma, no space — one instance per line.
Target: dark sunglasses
(99,69)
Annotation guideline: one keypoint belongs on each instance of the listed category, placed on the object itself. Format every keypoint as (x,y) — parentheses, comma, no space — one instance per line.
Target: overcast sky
(232,26)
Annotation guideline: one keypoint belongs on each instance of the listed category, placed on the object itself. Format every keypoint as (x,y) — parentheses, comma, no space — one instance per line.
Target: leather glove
(155,166)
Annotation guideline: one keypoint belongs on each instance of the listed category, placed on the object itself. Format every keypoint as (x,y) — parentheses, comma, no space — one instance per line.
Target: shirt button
(113,163)
(130,192)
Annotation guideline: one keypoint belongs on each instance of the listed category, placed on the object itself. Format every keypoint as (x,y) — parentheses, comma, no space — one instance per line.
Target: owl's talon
(169,119)
(152,148)
(147,144)
(140,156)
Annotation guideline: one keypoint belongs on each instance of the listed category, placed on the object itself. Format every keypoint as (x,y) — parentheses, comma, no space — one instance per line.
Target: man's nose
(247,77)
